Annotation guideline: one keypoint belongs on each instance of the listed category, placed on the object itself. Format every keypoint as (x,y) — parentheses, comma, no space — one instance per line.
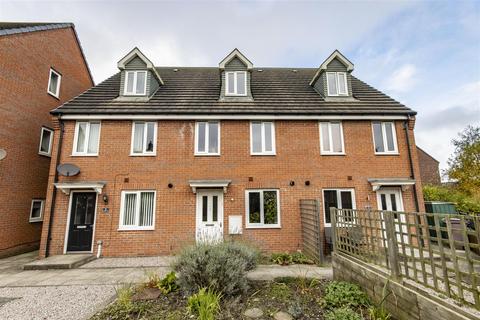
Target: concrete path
(78,293)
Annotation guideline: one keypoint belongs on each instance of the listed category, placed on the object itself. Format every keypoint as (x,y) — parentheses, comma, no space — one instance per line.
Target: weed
(205,304)
(340,294)
(124,297)
(283,259)
(343,313)
(280,291)
(168,283)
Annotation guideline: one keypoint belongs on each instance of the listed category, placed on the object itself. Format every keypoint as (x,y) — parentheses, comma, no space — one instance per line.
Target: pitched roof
(195,91)
(21,27)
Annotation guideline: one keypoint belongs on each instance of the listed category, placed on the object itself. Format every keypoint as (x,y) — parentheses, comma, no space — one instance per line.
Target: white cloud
(402,79)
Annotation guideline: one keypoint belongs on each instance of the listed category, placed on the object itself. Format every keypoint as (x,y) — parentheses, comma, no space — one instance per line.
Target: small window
(262,138)
(137,210)
(384,138)
(46,138)
(207,138)
(331,138)
(87,138)
(135,83)
(54,83)
(144,138)
(337,198)
(36,210)
(263,209)
(337,84)
(236,83)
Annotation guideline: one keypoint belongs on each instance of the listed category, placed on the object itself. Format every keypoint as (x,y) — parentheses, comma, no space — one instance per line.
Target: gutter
(54,192)
(412,172)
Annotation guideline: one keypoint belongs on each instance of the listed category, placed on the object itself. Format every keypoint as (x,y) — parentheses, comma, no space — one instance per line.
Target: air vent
(294,70)
(260,70)
(175,70)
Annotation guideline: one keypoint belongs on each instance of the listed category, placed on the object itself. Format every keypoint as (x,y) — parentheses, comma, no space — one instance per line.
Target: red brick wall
(25,61)
(429,171)
(298,159)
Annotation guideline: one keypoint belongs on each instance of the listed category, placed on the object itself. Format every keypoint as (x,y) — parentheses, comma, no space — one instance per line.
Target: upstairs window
(384,138)
(331,138)
(54,83)
(36,210)
(144,138)
(337,83)
(135,83)
(262,138)
(236,83)
(87,138)
(46,138)
(207,138)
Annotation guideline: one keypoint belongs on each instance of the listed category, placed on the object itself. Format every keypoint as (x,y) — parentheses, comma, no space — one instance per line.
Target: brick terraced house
(170,155)
(41,66)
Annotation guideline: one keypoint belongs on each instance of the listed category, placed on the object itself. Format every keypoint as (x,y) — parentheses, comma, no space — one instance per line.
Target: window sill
(84,155)
(49,155)
(333,154)
(235,95)
(264,227)
(35,220)
(207,154)
(53,95)
(262,154)
(136,229)
(143,154)
(387,153)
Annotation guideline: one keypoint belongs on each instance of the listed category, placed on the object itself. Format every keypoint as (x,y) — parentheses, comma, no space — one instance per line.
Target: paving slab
(270,272)
(64,261)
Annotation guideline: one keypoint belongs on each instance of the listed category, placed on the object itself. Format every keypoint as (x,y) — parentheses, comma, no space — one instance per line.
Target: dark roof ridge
(7,28)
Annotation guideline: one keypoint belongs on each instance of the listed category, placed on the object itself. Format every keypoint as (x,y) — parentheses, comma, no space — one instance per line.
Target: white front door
(209,216)
(390,199)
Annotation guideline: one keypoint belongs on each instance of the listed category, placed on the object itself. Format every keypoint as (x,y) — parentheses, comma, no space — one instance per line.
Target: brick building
(41,67)
(170,156)
(429,170)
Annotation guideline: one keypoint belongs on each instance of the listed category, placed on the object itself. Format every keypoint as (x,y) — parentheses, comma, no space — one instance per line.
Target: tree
(464,164)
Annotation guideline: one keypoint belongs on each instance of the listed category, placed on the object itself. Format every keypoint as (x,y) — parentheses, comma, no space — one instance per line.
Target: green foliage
(284,258)
(221,267)
(168,283)
(463,202)
(340,294)
(280,291)
(464,164)
(124,297)
(153,280)
(344,313)
(204,304)
(376,313)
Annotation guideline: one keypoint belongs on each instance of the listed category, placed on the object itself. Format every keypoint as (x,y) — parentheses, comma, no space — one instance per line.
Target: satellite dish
(3,154)
(68,169)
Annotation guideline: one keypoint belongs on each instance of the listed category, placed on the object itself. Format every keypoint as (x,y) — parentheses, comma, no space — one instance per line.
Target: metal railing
(438,251)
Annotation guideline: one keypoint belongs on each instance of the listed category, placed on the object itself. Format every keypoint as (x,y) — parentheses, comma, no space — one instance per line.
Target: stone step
(66,261)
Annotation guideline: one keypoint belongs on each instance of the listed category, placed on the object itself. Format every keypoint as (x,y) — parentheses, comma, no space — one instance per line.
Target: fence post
(333,220)
(392,245)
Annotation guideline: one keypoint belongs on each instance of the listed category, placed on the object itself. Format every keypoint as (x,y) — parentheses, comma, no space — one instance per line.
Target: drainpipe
(412,172)
(54,192)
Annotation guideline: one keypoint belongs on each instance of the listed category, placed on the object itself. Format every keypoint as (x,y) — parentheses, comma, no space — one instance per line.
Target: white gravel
(55,302)
(134,262)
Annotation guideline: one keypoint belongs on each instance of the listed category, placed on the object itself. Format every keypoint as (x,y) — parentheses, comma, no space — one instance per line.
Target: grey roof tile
(276,91)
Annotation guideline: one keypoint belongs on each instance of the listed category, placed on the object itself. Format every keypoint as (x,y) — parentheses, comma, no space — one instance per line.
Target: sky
(425,54)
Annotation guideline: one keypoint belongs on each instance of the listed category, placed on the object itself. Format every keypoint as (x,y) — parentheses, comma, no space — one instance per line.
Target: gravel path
(77,302)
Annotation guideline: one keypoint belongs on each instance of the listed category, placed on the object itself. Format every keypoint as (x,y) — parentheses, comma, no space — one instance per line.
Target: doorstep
(66,261)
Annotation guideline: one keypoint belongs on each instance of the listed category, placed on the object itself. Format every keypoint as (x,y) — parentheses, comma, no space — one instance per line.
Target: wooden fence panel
(313,239)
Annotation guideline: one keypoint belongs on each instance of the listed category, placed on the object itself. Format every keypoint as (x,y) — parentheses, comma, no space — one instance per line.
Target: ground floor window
(337,198)
(262,208)
(36,210)
(137,210)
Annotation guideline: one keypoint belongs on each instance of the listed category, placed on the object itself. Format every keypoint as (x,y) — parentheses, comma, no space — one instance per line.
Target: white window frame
(337,84)
(144,152)
(57,93)
(261,225)
(338,190)
(42,205)
(207,135)
(49,152)
(235,79)
(330,138)
(384,138)
(136,227)
(263,152)
(135,76)
(87,138)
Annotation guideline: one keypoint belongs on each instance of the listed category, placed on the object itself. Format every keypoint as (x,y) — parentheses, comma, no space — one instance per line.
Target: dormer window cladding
(136,83)
(337,83)
(236,83)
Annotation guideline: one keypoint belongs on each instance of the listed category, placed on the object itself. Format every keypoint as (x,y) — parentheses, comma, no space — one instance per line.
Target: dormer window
(236,83)
(135,83)
(337,83)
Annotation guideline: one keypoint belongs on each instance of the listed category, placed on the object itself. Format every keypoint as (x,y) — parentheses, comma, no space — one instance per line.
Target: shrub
(169,283)
(204,304)
(221,267)
(301,258)
(340,294)
(344,313)
(283,258)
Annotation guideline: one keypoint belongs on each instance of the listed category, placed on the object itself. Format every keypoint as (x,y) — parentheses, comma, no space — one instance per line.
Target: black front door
(82,217)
